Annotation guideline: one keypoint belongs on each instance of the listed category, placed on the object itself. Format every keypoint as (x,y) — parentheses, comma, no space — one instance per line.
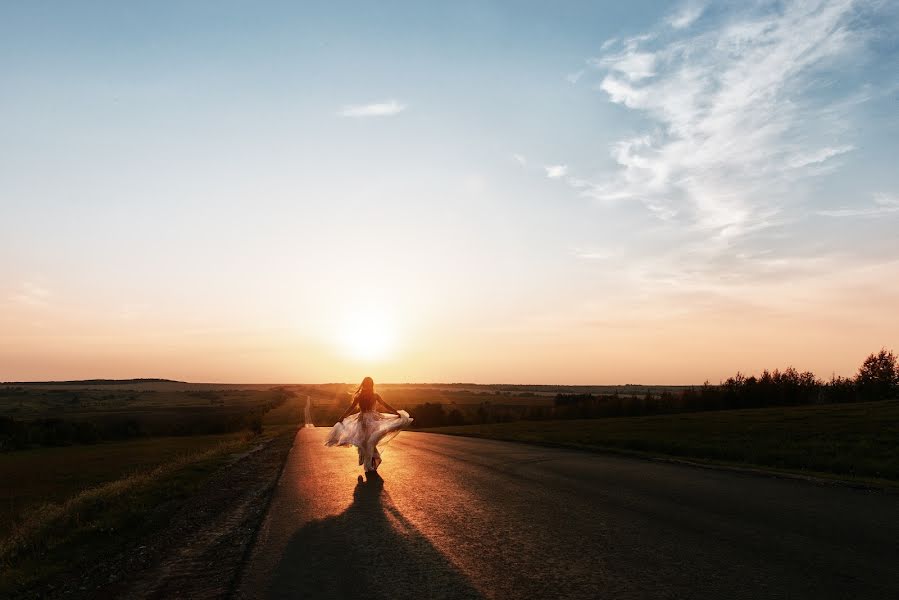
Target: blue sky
(559,192)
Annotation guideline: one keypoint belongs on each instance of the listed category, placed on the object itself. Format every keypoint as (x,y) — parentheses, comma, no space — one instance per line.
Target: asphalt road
(464,518)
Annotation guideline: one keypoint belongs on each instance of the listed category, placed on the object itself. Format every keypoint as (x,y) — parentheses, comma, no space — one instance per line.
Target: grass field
(136,402)
(43,475)
(411,394)
(53,474)
(849,440)
(94,498)
(53,537)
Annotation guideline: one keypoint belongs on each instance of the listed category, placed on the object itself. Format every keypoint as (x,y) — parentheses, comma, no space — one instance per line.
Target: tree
(430,415)
(878,377)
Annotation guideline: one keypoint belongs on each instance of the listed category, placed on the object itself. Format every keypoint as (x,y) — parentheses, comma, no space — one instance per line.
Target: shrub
(878,377)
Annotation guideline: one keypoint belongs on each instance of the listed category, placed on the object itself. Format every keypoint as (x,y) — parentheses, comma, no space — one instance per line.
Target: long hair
(365,390)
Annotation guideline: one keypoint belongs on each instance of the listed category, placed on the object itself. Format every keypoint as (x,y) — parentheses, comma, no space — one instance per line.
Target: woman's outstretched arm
(387,406)
(349,411)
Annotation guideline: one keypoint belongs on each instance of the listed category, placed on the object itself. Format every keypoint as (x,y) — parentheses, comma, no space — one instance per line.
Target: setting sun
(367,334)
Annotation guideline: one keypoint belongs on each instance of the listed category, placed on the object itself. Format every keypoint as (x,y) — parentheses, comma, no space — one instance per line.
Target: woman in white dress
(368,427)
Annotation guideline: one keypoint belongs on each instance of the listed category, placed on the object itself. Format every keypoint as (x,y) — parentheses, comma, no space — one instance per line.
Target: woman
(368,427)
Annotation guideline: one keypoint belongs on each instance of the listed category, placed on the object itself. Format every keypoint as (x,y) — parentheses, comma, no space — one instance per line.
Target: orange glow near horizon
(525,197)
(401,348)
(367,334)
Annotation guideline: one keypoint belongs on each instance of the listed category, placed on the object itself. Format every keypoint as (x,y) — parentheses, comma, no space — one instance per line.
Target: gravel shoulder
(197,544)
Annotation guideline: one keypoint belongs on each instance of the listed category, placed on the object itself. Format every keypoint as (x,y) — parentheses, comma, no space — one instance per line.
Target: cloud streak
(687,15)
(731,122)
(574,77)
(31,294)
(883,205)
(378,109)
(556,171)
(732,114)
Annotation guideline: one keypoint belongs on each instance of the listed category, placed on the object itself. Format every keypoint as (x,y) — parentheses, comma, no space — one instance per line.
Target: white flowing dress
(366,430)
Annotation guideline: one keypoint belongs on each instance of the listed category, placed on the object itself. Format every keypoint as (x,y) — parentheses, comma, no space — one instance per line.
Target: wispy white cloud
(883,204)
(731,120)
(818,156)
(594,253)
(520,159)
(731,116)
(635,66)
(31,294)
(556,171)
(377,109)
(687,14)
(573,78)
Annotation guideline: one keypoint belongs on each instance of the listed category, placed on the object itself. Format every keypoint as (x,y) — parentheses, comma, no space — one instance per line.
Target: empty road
(464,518)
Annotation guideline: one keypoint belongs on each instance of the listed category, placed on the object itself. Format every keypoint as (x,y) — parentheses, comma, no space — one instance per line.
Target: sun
(367,334)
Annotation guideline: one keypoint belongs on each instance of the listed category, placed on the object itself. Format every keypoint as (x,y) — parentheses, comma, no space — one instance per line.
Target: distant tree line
(83,382)
(16,434)
(877,379)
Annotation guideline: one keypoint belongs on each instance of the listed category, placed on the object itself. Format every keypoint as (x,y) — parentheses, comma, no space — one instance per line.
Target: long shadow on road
(368,551)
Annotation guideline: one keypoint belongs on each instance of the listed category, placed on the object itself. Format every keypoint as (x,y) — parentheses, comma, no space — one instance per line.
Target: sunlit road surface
(464,518)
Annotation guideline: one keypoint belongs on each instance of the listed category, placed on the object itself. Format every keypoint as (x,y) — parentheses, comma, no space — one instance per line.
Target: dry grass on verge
(44,475)
(44,527)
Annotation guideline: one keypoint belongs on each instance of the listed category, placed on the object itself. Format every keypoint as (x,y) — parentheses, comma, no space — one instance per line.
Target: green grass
(53,537)
(847,440)
(64,506)
(54,474)
(41,475)
(285,417)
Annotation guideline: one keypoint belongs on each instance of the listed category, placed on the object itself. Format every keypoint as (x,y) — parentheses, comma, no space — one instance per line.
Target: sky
(520,192)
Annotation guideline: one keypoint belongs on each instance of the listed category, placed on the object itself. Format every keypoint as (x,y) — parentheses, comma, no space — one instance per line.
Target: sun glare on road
(367,334)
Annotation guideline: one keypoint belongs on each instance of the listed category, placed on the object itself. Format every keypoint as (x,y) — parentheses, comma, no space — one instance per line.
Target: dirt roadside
(198,553)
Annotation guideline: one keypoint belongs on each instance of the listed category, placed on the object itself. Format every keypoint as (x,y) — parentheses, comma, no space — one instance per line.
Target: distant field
(458,403)
(158,403)
(409,395)
(142,385)
(471,393)
(330,400)
(33,415)
(284,417)
(850,440)
(57,401)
